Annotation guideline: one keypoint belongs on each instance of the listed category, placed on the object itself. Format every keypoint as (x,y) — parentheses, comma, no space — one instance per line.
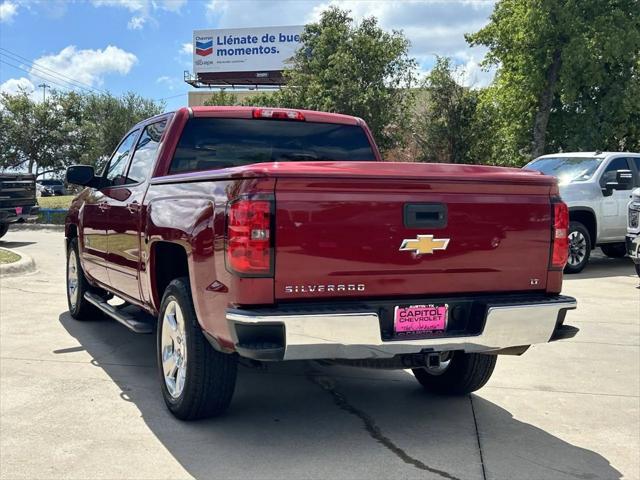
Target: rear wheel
(614,250)
(459,373)
(579,248)
(196,380)
(4,228)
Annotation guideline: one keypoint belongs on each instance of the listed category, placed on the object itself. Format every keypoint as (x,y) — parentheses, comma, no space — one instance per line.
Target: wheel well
(588,219)
(170,262)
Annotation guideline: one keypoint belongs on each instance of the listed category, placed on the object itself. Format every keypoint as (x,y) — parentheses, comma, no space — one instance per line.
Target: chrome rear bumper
(356,335)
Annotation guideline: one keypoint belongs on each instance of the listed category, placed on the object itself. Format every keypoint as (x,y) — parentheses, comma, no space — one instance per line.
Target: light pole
(44,87)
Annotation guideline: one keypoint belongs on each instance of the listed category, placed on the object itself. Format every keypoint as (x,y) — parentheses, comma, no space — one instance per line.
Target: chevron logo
(204,48)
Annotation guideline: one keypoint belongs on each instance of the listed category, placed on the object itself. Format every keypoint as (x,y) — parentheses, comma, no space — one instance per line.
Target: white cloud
(169,82)
(131,5)
(143,9)
(86,66)
(472,74)
(15,85)
(170,5)
(186,48)
(8,10)
(136,23)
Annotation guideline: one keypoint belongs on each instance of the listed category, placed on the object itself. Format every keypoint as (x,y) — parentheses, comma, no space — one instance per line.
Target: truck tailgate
(342,237)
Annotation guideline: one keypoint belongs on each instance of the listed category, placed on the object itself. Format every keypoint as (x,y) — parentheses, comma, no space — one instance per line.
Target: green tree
(443,122)
(568,76)
(33,136)
(105,119)
(68,128)
(350,68)
(222,97)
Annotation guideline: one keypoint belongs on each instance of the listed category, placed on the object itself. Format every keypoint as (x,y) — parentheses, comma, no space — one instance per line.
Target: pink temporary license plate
(18,210)
(420,318)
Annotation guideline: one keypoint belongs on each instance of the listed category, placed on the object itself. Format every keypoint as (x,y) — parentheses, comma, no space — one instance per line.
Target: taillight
(275,114)
(560,235)
(249,245)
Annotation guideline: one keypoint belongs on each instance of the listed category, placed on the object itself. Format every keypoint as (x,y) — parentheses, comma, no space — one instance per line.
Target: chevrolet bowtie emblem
(424,244)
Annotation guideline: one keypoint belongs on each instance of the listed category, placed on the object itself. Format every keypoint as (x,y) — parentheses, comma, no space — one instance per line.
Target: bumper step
(132,323)
(564,332)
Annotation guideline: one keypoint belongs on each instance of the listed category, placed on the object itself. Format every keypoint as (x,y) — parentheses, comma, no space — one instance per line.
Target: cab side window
(146,152)
(636,161)
(115,172)
(609,174)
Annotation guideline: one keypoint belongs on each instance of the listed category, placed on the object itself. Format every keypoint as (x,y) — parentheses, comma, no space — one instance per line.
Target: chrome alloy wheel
(445,361)
(72,279)
(174,349)
(577,248)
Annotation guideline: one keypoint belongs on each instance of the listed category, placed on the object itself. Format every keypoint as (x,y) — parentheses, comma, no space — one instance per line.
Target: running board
(122,317)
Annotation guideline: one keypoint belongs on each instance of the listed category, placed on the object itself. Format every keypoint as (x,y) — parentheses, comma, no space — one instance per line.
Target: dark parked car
(57,186)
(42,191)
(17,199)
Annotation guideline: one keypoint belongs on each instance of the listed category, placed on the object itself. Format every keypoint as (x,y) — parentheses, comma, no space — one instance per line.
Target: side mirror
(81,175)
(624,179)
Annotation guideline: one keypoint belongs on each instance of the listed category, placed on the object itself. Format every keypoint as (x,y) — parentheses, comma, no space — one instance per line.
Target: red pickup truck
(275,234)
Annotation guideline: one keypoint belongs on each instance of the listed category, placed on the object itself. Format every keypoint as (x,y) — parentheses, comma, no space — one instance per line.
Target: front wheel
(77,285)
(579,248)
(196,380)
(4,228)
(459,373)
(637,268)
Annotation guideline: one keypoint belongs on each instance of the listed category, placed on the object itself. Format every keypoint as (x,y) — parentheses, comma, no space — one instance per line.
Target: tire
(465,373)
(637,265)
(197,381)
(4,228)
(614,250)
(579,248)
(79,308)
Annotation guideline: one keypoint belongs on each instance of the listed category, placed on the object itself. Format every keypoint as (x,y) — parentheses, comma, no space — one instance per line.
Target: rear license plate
(18,210)
(420,318)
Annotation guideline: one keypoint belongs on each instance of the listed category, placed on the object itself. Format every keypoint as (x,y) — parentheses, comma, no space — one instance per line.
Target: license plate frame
(428,319)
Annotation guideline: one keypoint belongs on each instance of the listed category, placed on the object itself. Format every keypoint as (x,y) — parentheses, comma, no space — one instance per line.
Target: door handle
(104,206)
(133,207)
(425,215)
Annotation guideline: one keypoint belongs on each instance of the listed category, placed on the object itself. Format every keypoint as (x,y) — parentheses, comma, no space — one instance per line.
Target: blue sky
(145,45)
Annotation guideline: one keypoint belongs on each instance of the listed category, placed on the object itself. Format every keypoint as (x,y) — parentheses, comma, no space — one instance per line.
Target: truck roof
(587,154)
(247,112)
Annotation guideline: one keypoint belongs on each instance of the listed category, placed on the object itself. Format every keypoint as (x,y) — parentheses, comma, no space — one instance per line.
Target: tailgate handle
(425,215)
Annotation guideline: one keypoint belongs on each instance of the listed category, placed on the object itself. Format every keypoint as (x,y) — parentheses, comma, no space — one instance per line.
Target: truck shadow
(303,419)
(600,266)
(13,244)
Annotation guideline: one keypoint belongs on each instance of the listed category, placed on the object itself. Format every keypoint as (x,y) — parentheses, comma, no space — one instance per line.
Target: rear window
(213,143)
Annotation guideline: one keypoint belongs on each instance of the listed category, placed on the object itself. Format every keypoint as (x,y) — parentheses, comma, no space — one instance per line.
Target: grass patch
(62,201)
(52,218)
(8,257)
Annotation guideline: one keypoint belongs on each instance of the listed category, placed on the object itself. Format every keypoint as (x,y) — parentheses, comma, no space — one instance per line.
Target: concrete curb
(47,227)
(26,264)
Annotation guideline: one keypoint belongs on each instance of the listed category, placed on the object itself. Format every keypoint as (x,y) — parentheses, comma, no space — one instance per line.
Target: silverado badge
(424,244)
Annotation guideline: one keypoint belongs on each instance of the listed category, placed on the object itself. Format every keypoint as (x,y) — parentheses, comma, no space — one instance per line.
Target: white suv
(597,187)
(633,229)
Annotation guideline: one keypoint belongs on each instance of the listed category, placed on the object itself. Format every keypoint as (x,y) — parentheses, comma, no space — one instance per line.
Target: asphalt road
(81,400)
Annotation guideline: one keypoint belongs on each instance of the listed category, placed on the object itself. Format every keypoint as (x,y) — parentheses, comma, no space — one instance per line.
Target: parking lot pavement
(81,400)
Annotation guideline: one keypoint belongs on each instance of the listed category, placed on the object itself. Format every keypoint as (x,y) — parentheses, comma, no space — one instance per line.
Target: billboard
(262,49)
